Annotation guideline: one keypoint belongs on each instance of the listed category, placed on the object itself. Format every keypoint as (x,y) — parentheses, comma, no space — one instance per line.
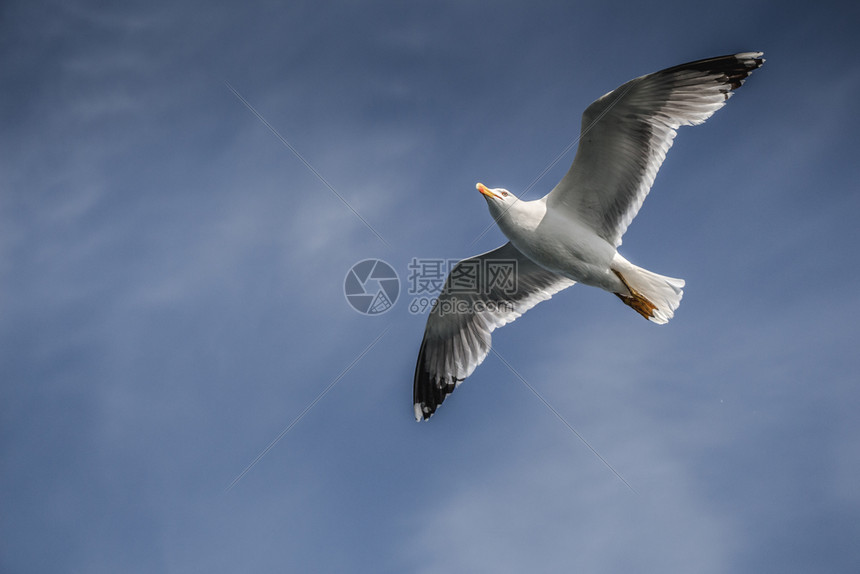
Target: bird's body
(559,243)
(572,234)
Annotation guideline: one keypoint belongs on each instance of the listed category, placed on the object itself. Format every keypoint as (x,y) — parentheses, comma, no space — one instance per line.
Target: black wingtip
(427,393)
(734,68)
(747,63)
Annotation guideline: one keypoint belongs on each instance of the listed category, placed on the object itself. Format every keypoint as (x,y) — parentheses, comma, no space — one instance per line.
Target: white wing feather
(626,133)
(457,337)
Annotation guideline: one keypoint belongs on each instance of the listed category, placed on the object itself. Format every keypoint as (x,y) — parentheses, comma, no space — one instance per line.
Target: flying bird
(572,234)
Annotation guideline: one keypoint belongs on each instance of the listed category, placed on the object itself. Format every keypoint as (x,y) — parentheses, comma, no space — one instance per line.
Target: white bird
(573,233)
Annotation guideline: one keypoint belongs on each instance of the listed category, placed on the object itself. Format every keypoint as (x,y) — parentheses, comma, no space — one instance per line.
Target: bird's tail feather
(653,296)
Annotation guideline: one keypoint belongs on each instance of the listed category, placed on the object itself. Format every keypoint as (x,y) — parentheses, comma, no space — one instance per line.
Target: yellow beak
(485,190)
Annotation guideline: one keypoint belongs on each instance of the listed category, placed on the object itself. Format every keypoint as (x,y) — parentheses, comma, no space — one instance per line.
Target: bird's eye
(505,193)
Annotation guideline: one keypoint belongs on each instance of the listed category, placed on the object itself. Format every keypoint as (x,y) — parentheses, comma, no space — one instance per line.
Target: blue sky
(171,293)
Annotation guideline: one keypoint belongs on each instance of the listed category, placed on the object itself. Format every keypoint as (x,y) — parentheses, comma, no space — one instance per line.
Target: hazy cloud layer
(171,293)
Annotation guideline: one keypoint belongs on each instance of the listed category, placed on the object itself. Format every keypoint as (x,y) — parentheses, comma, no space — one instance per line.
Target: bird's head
(499,200)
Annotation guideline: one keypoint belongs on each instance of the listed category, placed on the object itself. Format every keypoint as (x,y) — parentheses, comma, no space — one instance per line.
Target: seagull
(572,234)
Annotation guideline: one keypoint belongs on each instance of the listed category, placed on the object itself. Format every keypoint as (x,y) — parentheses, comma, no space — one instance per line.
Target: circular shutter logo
(371,287)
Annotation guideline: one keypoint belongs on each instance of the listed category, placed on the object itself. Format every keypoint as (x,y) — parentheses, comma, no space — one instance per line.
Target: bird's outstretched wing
(480,294)
(626,134)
